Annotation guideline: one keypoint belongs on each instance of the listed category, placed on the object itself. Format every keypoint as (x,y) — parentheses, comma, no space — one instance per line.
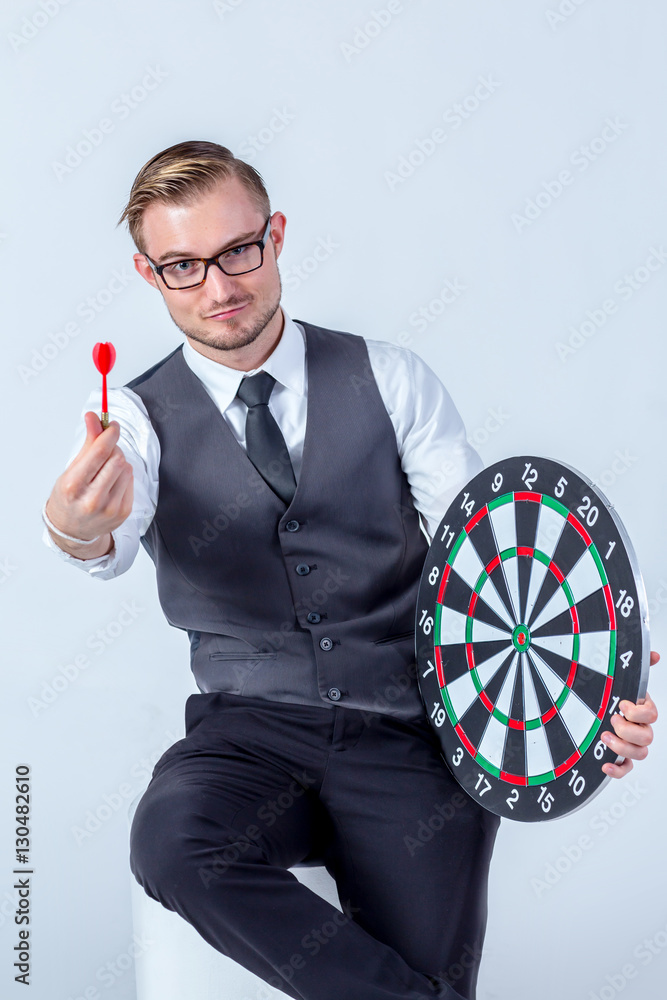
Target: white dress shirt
(435,455)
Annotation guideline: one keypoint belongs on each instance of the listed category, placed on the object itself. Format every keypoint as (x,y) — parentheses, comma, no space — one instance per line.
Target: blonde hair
(180,173)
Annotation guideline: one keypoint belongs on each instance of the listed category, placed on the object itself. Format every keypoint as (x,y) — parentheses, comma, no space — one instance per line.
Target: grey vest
(313,603)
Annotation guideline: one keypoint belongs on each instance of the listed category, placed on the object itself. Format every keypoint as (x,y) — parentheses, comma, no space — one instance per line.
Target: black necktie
(265,443)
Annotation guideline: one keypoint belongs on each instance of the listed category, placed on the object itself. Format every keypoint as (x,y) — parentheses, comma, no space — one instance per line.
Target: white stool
(174,962)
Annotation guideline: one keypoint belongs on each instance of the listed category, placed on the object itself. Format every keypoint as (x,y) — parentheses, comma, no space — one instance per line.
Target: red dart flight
(104,356)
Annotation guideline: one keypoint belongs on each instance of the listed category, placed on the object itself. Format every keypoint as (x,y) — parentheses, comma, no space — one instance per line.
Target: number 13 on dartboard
(531,627)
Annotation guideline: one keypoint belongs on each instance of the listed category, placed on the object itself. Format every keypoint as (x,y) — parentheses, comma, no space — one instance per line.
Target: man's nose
(218,285)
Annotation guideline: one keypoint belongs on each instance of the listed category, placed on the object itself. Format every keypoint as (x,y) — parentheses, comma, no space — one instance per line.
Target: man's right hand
(94,494)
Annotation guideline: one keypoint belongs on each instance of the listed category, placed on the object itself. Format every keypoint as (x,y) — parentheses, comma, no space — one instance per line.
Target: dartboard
(531,627)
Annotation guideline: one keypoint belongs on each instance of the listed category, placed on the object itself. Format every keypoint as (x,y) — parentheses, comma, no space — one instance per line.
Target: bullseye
(521,638)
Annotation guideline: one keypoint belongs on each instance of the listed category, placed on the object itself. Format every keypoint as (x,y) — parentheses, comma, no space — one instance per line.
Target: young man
(278,474)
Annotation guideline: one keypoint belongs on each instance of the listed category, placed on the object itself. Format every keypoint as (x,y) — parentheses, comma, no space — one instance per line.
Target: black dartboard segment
(532,626)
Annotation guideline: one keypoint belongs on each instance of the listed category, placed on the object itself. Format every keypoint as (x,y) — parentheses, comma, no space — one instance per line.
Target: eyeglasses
(237,260)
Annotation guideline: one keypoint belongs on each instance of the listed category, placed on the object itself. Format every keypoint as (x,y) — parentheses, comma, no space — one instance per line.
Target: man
(285,480)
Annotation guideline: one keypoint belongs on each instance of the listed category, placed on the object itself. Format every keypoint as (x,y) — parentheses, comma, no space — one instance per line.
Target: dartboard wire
(520,497)
(464,535)
(579,747)
(492,506)
(533,730)
(488,765)
(642,600)
(472,665)
(543,564)
(471,642)
(551,647)
(590,552)
(549,503)
(557,702)
(445,580)
(577,751)
(454,715)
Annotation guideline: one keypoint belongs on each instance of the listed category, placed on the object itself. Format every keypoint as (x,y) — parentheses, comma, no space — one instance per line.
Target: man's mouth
(227,313)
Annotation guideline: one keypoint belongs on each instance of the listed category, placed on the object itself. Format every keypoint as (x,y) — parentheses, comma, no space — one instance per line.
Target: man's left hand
(633,734)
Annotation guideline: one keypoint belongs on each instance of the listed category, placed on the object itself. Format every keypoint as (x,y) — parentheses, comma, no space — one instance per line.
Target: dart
(104,356)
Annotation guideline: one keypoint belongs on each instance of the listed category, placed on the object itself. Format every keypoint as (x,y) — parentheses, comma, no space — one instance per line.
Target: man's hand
(94,494)
(633,734)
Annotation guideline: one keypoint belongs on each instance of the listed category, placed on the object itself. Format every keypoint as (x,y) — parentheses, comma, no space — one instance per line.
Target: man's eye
(236,252)
(180,267)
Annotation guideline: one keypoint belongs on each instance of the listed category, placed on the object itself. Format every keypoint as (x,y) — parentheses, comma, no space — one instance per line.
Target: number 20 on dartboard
(531,627)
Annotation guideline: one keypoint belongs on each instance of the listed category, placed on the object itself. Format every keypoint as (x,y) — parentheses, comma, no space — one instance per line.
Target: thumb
(93,427)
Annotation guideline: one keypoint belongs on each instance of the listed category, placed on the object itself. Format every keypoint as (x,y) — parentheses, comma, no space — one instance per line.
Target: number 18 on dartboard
(532,626)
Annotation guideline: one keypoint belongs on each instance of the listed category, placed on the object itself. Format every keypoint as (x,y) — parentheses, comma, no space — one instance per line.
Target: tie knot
(256,389)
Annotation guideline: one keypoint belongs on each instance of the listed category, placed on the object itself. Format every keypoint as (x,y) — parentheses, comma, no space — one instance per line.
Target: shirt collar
(286,363)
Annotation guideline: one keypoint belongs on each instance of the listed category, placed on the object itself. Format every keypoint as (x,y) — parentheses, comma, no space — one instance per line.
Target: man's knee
(157,838)
(173,843)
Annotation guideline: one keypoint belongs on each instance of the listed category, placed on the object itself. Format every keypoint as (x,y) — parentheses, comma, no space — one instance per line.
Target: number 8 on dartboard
(532,626)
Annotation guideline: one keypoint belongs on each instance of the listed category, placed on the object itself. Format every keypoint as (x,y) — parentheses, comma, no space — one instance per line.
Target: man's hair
(180,174)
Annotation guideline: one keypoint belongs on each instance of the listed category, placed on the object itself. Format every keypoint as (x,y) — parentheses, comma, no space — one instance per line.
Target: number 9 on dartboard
(531,627)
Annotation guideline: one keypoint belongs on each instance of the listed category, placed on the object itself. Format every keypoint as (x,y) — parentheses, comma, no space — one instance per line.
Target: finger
(624,748)
(95,453)
(93,426)
(121,495)
(655,657)
(97,494)
(618,770)
(641,734)
(645,712)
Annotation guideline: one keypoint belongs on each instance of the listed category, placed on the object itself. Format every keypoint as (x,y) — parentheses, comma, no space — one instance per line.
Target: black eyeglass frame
(207,261)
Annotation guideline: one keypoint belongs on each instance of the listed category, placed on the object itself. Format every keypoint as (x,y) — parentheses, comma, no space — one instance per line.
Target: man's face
(227,312)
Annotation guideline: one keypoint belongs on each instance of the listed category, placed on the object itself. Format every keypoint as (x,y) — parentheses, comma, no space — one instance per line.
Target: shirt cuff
(94,567)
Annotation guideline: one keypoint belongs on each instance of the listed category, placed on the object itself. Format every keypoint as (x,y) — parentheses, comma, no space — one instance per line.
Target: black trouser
(257,786)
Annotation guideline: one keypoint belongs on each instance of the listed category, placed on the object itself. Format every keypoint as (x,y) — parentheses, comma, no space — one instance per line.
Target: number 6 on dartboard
(531,626)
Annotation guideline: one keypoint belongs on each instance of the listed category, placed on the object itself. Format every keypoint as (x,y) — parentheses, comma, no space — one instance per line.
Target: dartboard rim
(641,614)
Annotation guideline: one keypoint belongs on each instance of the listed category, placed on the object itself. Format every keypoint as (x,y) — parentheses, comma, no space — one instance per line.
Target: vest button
(292,525)
(313,617)
(326,643)
(333,694)
(303,569)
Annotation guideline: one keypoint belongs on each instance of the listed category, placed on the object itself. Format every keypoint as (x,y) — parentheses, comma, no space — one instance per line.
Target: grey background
(348,112)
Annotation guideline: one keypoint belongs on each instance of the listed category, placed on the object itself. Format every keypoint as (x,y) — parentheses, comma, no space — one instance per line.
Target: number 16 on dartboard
(532,626)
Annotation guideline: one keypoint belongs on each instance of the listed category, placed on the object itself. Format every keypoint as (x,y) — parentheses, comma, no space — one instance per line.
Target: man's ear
(278,222)
(144,269)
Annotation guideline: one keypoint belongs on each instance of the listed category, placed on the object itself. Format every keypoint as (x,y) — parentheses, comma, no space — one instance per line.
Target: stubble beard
(237,331)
